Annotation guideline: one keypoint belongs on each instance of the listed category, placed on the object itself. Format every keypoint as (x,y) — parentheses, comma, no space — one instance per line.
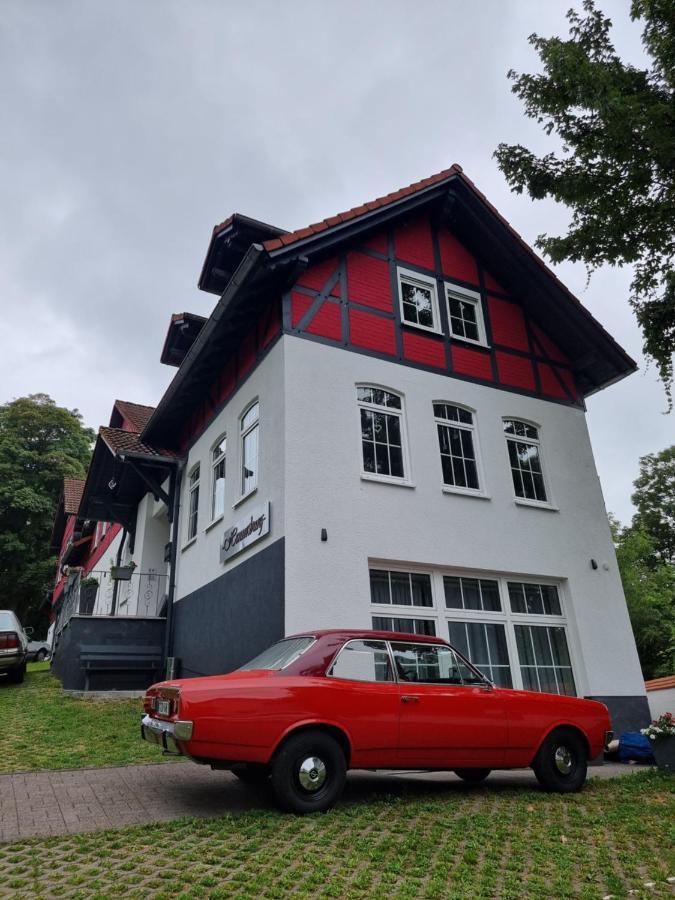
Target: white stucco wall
(199,563)
(661,702)
(327,583)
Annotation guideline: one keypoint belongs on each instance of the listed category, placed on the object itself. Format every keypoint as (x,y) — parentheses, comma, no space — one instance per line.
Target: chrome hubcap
(312,774)
(563,760)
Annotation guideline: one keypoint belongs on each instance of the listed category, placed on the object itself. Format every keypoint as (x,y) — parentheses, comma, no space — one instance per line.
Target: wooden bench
(119,658)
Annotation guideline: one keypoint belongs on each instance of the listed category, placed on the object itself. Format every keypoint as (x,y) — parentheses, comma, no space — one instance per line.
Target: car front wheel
(308,772)
(560,763)
(472,776)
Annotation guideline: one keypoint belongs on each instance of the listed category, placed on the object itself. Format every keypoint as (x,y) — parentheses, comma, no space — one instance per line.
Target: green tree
(616,169)
(654,499)
(40,444)
(649,586)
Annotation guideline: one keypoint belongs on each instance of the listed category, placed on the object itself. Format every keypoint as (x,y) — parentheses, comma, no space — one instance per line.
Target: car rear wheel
(473,776)
(308,772)
(560,763)
(251,773)
(16,676)
(41,655)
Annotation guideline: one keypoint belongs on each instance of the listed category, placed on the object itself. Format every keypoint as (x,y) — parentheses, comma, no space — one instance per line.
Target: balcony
(97,594)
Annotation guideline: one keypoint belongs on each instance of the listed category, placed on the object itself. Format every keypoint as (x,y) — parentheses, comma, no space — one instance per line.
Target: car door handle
(409,698)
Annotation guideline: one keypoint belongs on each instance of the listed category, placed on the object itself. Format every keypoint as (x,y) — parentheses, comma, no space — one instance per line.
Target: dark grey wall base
(84,631)
(228,621)
(628,713)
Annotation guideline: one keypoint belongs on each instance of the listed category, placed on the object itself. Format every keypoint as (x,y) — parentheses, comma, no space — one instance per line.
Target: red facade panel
(327,322)
(413,243)
(472,362)
(568,380)
(300,303)
(378,243)
(491,284)
(317,275)
(423,350)
(456,261)
(246,355)
(271,326)
(550,385)
(514,370)
(372,332)
(508,324)
(546,345)
(368,281)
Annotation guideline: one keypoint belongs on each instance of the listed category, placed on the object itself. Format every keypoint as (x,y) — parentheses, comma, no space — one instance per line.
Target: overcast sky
(128,129)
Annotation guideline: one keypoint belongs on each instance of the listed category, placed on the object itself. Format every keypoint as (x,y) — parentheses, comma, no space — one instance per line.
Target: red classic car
(314,705)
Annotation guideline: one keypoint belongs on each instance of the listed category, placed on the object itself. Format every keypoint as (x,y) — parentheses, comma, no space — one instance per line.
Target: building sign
(245,532)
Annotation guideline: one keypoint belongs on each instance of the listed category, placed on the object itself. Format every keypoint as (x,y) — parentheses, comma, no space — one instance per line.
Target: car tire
(472,776)
(308,772)
(561,761)
(251,773)
(16,676)
(41,656)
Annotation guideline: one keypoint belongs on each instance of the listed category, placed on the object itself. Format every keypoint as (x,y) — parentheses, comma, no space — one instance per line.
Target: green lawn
(425,841)
(43,728)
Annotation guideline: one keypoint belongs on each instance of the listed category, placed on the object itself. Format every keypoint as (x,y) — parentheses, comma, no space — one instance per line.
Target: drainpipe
(118,561)
(174,516)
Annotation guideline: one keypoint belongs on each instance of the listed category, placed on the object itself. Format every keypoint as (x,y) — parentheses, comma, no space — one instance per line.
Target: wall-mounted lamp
(324,534)
(594,564)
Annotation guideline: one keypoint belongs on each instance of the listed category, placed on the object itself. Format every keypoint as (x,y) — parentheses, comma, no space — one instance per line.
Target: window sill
(382,479)
(425,328)
(465,340)
(244,497)
(188,543)
(479,495)
(214,522)
(536,504)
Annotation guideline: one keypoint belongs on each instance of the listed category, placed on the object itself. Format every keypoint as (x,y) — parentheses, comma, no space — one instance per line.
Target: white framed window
(418,299)
(193,502)
(250,428)
(513,629)
(218,459)
(458,446)
(465,314)
(524,448)
(383,450)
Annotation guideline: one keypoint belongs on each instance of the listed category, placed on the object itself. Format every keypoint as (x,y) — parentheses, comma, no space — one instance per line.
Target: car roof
(369,634)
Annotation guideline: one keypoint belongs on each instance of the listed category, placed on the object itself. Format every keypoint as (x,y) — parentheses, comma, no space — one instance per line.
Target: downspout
(174,516)
(118,562)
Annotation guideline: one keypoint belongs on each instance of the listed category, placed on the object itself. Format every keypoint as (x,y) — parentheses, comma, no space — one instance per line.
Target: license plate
(164,707)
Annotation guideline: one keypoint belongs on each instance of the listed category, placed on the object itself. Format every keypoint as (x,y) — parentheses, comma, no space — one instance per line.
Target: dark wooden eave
(183,330)
(229,242)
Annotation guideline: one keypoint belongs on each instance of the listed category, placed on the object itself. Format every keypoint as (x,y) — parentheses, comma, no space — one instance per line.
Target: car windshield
(279,655)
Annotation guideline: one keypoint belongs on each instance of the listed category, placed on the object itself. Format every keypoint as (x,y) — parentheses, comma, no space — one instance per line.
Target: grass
(44,728)
(424,841)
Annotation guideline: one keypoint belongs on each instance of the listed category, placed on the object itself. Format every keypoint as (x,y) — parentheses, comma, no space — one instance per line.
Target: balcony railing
(98,594)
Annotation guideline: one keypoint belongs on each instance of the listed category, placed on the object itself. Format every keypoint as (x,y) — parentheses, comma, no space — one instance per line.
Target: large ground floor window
(513,629)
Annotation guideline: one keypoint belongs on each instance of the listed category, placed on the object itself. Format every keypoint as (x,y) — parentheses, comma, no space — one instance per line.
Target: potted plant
(662,733)
(122,573)
(88,591)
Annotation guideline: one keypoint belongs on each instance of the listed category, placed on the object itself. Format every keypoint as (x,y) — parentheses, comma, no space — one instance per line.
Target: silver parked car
(13,646)
(38,651)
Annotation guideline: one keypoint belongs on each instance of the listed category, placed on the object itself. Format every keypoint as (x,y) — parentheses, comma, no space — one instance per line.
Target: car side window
(428,664)
(363,661)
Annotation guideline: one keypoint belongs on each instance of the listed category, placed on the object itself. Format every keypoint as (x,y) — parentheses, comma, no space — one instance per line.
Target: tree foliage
(616,171)
(40,444)
(654,499)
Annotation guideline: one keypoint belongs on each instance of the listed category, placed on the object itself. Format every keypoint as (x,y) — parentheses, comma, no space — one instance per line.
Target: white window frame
(441,616)
(428,283)
(458,292)
(215,463)
(549,503)
(243,434)
(481,490)
(192,487)
(405,480)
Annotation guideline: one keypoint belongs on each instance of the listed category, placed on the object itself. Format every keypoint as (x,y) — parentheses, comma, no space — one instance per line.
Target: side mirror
(28,630)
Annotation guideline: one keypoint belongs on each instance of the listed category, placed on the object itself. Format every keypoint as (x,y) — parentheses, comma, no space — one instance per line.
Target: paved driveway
(63,802)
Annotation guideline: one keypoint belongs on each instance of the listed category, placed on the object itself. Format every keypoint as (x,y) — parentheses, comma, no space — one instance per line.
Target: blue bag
(633,745)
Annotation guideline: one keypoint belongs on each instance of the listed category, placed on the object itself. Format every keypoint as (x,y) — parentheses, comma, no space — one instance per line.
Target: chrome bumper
(165,734)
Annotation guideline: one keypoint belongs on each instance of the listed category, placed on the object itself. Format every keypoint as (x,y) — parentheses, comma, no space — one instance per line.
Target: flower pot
(664,752)
(121,573)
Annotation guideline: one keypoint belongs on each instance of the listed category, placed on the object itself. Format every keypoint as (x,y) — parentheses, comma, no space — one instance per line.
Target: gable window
(250,423)
(193,502)
(381,415)
(465,314)
(419,301)
(218,479)
(456,440)
(522,441)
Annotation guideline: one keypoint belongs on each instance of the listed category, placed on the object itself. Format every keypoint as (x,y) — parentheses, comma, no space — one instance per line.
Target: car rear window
(279,655)
(7,621)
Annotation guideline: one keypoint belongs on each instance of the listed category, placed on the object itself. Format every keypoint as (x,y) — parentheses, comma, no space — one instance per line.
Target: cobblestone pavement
(67,802)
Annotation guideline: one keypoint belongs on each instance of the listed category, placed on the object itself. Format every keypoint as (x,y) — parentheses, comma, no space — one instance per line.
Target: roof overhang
(229,242)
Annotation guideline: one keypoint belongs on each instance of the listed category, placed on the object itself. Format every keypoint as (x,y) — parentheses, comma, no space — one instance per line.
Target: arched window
(250,425)
(193,503)
(218,478)
(522,441)
(382,432)
(456,440)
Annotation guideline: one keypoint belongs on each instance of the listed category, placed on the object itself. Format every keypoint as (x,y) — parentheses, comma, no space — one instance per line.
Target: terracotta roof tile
(72,494)
(223,225)
(660,684)
(136,414)
(119,441)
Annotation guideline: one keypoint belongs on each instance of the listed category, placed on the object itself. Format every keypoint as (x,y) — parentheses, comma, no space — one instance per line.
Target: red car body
(247,716)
